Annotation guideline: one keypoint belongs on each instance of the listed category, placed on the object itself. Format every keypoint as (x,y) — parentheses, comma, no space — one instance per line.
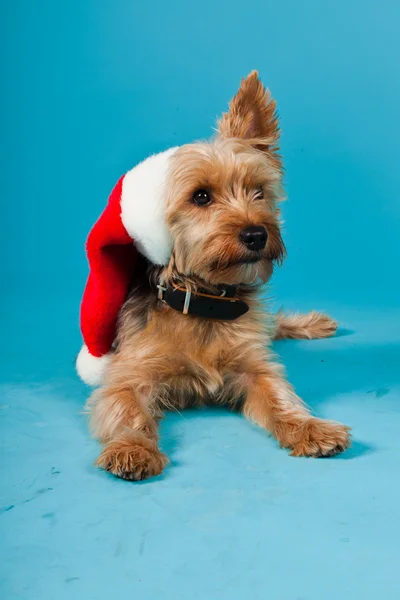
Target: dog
(222,212)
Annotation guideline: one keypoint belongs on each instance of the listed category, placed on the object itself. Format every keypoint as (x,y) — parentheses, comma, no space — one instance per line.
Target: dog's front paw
(133,457)
(319,438)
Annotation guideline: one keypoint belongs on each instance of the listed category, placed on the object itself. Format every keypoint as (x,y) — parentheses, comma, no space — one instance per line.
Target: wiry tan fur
(165,360)
(311,326)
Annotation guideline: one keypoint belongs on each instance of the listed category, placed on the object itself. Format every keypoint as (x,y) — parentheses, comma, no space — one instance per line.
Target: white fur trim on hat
(143,207)
(91,369)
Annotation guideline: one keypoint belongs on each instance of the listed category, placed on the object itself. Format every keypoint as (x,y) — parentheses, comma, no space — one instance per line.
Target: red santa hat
(133,221)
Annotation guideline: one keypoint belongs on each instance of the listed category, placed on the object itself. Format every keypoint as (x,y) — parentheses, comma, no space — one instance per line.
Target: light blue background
(88,89)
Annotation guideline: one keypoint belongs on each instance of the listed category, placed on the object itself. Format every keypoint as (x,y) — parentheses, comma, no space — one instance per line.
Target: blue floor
(233,516)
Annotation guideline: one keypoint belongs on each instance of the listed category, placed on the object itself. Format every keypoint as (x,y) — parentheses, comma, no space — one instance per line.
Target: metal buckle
(187,302)
(161,291)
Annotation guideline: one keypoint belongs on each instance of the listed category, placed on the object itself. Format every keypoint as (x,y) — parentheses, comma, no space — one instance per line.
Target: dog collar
(225,307)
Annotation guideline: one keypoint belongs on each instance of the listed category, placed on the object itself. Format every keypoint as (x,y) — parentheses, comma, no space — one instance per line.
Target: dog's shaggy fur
(165,359)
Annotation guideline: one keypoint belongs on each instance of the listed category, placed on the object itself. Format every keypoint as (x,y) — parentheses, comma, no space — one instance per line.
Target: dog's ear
(252,115)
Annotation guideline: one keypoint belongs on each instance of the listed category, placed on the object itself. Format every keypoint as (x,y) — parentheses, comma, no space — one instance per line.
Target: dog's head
(222,195)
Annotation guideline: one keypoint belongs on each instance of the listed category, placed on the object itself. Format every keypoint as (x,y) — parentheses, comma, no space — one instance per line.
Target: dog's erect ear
(252,114)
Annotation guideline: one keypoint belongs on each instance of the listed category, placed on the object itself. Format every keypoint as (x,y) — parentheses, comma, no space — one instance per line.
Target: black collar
(225,307)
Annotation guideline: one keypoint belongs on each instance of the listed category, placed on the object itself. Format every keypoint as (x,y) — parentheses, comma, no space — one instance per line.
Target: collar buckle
(186,304)
(188,297)
(161,292)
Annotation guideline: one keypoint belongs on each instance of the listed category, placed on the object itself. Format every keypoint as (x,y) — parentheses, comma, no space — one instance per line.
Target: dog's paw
(322,326)
(309,326)
(132,457)
(320,438)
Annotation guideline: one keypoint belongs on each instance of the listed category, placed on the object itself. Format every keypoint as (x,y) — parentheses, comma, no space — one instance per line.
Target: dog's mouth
(249,259)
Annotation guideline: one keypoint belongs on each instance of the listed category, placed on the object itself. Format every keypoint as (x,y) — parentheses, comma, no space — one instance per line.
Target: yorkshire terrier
(222,212)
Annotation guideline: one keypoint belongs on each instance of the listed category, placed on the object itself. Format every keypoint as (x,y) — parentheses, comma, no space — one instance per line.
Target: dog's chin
(249,270)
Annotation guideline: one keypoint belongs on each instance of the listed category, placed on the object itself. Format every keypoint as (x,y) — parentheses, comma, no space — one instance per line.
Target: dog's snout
(254,237)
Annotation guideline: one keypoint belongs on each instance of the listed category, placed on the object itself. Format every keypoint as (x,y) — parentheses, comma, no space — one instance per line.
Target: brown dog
(222,213)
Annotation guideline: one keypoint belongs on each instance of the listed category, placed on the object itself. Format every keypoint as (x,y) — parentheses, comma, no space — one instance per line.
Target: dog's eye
(259,193)
(201,197)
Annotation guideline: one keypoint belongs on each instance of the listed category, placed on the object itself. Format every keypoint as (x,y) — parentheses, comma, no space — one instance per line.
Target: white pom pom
(91,369)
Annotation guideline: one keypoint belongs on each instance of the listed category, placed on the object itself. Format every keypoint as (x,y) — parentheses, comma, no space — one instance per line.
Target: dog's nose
(254,237)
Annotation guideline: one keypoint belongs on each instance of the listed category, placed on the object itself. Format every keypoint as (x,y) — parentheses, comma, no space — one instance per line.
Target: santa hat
(133,221)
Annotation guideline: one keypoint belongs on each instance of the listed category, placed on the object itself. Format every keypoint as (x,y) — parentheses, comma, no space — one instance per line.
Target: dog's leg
(312,325)
(120,419)
(272,403)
